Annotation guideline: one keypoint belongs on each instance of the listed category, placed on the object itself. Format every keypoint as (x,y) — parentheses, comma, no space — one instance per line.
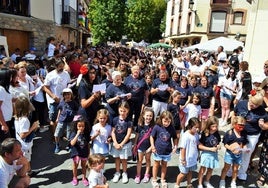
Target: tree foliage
(107,20)
(138,19)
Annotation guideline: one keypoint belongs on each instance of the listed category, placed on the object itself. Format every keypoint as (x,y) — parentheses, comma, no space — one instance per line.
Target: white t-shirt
(51,49)
(22,125)
(227,83)
(100,142)
(222,56)
(189,142)
(192,110)
(6,107)
(95,178)
(197,69)
(57,82)
(7,172)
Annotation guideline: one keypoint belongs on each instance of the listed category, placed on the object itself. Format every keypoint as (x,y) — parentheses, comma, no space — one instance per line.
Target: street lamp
(191,6)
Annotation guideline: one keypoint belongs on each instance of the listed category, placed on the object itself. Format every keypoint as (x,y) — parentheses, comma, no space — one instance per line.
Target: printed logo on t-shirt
(164,136)
(120,128)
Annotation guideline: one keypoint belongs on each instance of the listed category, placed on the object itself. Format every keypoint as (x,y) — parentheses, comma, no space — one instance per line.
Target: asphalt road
(56,169)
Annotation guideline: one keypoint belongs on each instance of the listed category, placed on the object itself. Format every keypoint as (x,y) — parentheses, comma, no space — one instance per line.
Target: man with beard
(54,83)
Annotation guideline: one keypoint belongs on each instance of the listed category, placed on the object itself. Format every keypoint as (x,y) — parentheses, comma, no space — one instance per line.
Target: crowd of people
(168,98)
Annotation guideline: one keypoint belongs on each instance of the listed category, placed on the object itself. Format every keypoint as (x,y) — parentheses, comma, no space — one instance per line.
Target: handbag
(135,148)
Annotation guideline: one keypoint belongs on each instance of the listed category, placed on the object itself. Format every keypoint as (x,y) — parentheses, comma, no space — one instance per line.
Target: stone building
(29,23)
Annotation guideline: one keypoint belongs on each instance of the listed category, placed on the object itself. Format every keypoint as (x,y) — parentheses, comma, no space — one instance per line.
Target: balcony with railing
(69,16)
(16,7)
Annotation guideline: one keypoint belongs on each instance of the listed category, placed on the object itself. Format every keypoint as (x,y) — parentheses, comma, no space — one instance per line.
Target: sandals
(260,181)
(164,184)
(155,184)
(190,186)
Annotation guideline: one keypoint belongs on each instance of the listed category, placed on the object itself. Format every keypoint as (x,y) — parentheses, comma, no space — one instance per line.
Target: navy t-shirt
(175,84)
(230,138)
(206,94)
(162,139)
(212,140)
(113,91)
(68,111)
(185,93)
(85,92)
(252,117)
(121,127)
(174,110)
(161,96)
(142,130)
(137,87)
(80,148)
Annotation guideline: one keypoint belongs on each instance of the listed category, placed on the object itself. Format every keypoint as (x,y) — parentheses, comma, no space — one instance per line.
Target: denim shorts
(226,96)
(60,129)
(158,157)
(53,111)
(231,158)
(185,170)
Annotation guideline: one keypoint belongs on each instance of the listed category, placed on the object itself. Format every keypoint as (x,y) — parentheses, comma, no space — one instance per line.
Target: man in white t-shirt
(54,83)
(12,162)
(222,56)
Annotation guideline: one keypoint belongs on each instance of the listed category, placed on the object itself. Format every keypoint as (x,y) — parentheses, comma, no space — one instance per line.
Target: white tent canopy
(212,45)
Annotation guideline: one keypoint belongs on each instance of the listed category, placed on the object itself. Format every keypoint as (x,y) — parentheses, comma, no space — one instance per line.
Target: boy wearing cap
(66,111)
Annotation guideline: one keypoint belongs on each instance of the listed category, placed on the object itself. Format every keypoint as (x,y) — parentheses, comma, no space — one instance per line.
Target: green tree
(107,20)
(144,18)
(139,17)
(159,19)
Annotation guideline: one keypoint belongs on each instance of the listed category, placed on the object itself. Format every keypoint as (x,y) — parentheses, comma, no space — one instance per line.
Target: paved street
(56,169)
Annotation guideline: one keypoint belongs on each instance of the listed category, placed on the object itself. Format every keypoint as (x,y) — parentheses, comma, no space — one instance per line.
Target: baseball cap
(67,90)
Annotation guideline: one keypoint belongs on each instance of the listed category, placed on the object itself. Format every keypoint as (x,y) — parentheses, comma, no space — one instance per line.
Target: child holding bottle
(79,141)
(161,139)
(188,152)
(209,144)
(121,148)
(235,141)
(101,133)
(142,143)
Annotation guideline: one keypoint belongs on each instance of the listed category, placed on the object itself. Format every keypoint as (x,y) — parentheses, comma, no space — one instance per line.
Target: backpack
(234,62)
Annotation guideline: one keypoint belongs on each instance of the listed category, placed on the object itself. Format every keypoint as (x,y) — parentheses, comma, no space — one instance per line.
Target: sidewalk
(56,169)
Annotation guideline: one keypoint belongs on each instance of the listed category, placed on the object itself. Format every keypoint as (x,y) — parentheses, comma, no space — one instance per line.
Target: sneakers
(116,177)
(233,184)
(137,179)
(200,186)
(146,178)
(75,182)
(124,177)
(85,182)
(207,184)
(43,129)
(222,184)
(57,148)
